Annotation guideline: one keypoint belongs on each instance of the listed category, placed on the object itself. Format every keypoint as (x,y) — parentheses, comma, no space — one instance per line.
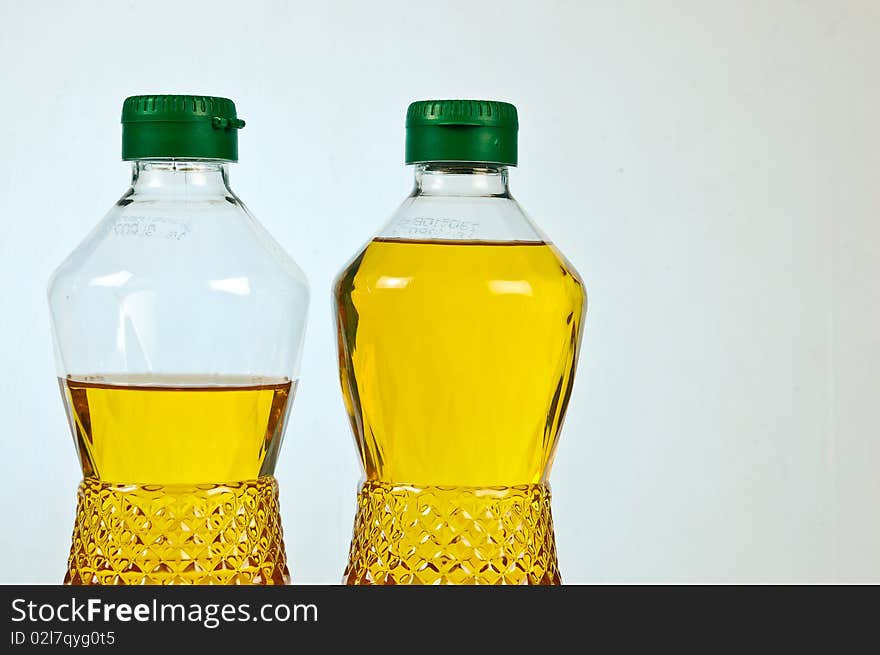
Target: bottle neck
(461,179)
(174,176)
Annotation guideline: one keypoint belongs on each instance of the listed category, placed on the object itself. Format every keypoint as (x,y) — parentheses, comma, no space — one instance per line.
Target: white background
(711,169)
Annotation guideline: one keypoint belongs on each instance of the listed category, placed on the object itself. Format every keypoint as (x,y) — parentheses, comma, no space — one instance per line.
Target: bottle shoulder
(486,218)
(148,242)
(468,236)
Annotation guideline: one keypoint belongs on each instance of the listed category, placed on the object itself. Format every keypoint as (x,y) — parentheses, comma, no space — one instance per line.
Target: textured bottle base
(154,534)
(452,535)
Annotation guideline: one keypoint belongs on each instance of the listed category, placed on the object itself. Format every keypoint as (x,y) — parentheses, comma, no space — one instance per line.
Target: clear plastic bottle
(459,327)
(178,325)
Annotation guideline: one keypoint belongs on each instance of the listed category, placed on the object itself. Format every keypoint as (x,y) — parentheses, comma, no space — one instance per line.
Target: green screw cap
(461,130)
(179,127)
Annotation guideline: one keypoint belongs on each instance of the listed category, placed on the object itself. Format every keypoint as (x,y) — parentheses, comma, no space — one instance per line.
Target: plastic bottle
(178,324)
(459,327)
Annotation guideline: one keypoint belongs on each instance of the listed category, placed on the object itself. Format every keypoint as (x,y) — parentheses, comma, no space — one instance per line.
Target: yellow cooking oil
(178,485)
(457,361)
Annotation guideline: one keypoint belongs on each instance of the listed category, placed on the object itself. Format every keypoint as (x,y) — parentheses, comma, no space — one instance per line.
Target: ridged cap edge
(462,112)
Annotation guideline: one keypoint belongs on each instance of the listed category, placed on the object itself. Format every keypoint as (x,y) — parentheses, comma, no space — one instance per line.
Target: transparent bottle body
(178,326)
(458,327)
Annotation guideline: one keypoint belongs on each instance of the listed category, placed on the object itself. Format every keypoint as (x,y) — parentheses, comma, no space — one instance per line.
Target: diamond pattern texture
(153,534)
(452,535)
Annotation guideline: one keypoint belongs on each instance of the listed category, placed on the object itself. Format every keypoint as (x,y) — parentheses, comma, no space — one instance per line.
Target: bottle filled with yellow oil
(178,325)
(458,328)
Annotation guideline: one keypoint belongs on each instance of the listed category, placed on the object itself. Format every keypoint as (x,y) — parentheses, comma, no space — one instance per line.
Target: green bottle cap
(461,130)
(179,127)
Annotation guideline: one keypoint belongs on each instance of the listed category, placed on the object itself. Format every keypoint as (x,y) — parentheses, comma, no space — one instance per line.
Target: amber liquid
(457,362)
(178,481)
